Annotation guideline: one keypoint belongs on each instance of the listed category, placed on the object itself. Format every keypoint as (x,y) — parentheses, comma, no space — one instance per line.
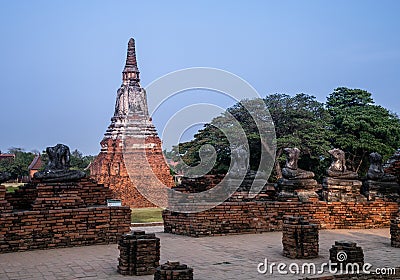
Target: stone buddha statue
(338,167)
(291,170)
(375,171)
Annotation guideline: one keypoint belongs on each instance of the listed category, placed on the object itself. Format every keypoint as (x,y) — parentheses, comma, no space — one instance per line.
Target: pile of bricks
(173,271)
(139,253)
(299,239)
(395,232)
(345,252)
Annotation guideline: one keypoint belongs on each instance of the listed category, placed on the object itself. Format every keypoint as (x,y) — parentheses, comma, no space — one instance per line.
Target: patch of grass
(11,187)
(146,215)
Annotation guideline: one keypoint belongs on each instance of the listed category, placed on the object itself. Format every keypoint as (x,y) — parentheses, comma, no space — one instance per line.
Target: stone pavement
(222,257)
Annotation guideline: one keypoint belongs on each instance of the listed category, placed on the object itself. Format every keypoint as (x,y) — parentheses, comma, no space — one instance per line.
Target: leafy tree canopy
(361,127)
(349,120)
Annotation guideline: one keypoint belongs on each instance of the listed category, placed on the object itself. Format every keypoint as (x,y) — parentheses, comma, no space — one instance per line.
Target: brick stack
(5,206)
(395,232)
(139,253)
(342,190)
(344,252)
(300,239)
(173,271)
(131,128)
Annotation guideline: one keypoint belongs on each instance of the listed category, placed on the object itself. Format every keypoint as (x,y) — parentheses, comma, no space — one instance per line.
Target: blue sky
(61,61)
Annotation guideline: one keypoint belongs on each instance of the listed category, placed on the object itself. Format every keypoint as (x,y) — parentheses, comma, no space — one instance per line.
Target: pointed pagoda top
(131,71)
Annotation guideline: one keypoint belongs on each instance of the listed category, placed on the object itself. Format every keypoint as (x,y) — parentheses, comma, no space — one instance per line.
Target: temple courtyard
(218,257)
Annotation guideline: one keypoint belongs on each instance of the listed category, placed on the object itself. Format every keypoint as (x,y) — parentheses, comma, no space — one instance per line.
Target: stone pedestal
(5,206)
(139,253)
(57,196)
(300,239)
(297,190)
(345,252)
(395,232)
(373,190)
(173,271)
(342,190)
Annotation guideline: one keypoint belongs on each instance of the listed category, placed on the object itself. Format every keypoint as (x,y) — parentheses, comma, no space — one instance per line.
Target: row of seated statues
(340,184)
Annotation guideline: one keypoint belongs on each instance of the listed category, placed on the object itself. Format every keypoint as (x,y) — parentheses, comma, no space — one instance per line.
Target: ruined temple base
(263,216)
(60,214)
(145,164)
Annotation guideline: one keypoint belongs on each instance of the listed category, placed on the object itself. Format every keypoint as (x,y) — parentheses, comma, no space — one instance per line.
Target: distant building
(7,156)
(35,165)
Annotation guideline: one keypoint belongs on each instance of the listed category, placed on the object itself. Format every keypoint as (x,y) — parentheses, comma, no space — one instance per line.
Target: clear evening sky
(61,61)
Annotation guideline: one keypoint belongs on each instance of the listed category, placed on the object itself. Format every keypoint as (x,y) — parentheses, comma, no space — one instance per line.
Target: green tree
(17,167)
(300,121)
(361,127)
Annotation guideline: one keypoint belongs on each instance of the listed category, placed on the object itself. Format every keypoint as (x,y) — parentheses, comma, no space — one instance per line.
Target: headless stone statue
(240,161)
(338,167)
(291,170)
(57,168)
(378,184)
(375,171)
(296,184)
(341,184)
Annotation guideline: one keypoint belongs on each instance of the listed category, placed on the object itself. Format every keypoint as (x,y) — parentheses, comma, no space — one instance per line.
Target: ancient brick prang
(131,152)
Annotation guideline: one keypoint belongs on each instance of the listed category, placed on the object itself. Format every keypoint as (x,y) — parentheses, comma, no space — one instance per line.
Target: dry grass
(146,215)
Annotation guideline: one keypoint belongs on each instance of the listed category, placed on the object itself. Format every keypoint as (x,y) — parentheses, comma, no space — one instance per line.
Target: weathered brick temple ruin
(340,202)
(131,127)
(59,208)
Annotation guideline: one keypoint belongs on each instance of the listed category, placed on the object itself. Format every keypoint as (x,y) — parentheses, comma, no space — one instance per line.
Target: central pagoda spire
(131,98)
(131,71)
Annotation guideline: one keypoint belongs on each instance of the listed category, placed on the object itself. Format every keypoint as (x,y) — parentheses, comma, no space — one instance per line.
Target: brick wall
(48,215)
(262,216)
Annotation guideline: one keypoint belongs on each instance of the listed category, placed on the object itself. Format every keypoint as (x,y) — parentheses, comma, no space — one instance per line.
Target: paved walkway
(224,257)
